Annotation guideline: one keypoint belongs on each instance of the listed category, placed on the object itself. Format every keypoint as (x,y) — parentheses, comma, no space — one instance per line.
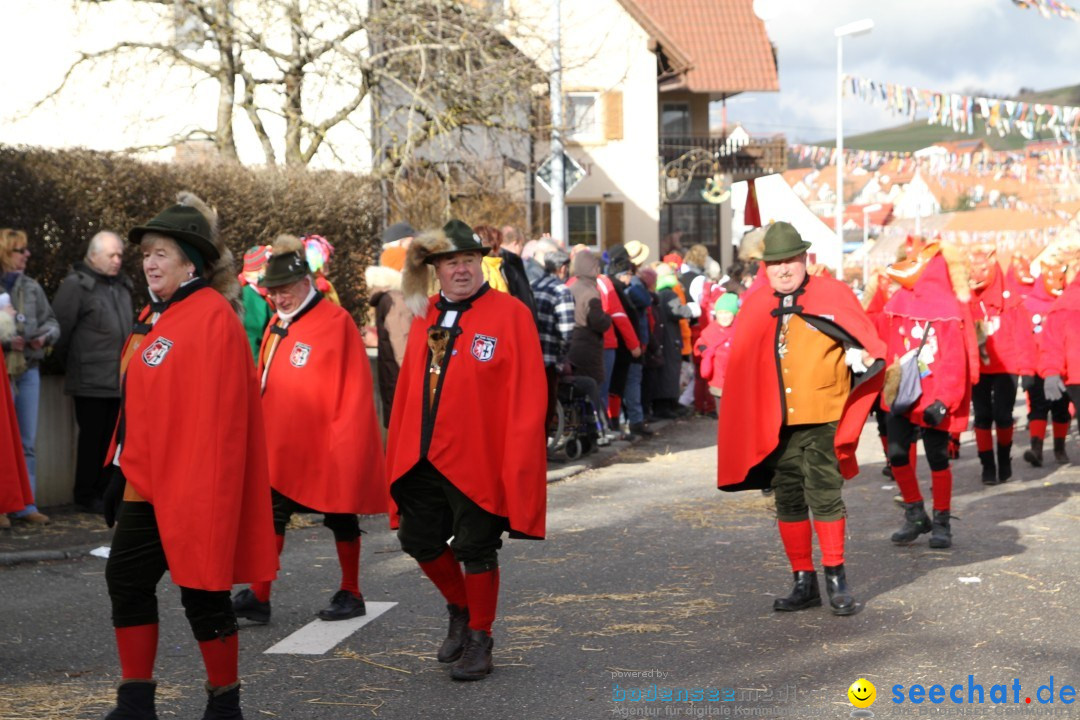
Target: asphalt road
(650,575)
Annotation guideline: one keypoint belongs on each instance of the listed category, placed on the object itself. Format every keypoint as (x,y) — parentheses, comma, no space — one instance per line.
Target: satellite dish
(767,9)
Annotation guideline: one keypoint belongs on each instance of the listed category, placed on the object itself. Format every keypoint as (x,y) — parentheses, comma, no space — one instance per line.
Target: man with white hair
(93,307)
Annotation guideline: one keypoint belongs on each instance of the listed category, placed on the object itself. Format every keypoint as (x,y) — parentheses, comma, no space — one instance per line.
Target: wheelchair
(576,432)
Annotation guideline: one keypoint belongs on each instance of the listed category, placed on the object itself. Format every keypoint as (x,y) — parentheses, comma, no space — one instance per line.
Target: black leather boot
(1034,454)
(1060,456)
(247,606)
(841,601)
(940,532)
(454,643)
(134,701)
(1004,462)
(989,469)
(475,662)
(916,522)
(805,594)
(223,703)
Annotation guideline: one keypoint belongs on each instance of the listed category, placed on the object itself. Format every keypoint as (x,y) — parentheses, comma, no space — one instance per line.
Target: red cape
(488,434)
(1029,328)
(14,483)
(1059,349)
(751,412)
(194,445)
(990,305)
(323,442)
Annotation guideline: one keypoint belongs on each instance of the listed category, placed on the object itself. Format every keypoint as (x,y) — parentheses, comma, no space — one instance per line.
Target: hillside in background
(917,135)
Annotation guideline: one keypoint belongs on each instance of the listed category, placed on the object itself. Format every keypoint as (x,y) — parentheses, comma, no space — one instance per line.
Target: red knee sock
(830,537)
(796,537)
(614,406)
(262,589)
(137,647)
(1037,429)
(445,572)
(984,439)
(348,555)
(904,476)
(1061,430)
(941,482)
(221,658)
(483,592)
(1004,436)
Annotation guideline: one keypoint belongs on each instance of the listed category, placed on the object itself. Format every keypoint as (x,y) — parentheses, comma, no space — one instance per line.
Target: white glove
(853,359)
(1053,388)
(695,309)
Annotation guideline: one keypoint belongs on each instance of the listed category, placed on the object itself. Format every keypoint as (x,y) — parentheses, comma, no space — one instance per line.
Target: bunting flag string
(960,111)
(1056,162)
(1049,8)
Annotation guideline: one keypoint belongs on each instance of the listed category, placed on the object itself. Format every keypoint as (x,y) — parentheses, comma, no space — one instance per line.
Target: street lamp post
(866,241)
(858,27)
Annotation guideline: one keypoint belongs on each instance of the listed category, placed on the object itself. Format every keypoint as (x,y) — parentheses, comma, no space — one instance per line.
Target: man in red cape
(804,371)
(322,438)
(1059,351)
(466,452)
(930,325)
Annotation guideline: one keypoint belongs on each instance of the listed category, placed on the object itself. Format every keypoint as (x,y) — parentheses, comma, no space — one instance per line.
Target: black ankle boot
(475,662)
(841,600)
(1004,462)
(940,532)
(1060,456)
(454,643)
(223,703)
(989,469)
(134,701)
(247,606)
(916,522)
(1034,455)
(805,594)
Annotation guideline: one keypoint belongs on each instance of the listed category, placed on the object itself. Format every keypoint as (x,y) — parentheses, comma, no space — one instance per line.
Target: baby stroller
(576,431)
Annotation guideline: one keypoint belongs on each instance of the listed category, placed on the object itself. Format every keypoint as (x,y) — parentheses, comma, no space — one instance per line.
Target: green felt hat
(782,242)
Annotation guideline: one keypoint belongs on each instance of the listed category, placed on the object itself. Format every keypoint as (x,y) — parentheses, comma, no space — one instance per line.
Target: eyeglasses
(21,251)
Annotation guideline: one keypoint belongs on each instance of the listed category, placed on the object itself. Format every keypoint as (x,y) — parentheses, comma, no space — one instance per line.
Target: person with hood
(1030,326)
(93,307)
(805,368)
(715,342)
(189,491)
(36,329)
(994,394)
(591,323)
(673,313)
(466,451)
(931,332)
(1059,351)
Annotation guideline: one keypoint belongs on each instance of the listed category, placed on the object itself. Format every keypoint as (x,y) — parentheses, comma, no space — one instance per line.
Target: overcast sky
(991,46)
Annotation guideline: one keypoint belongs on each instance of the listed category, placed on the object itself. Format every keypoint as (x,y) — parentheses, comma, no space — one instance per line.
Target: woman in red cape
(189,492)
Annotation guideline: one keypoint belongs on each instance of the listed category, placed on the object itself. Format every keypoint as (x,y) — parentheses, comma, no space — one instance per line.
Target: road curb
(31,556)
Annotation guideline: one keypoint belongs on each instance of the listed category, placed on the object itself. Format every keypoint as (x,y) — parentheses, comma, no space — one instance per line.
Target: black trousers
(1074,395)
(1039,408)
(551,374)
(992,399)
(903,432)
(96,418)
(431,511)
(346,527)
(135,566)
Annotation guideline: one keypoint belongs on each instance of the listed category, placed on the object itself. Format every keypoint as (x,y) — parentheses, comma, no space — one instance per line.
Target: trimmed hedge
(62,197)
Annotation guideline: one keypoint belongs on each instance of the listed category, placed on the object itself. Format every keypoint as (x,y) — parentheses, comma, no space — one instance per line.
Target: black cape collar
(445,305)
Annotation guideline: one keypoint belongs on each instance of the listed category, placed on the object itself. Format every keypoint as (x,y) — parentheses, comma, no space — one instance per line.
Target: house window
(584,222)
(675,120)
(582,120)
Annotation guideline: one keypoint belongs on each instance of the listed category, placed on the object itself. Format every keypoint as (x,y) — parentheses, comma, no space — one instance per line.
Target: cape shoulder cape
(991,306)
(487,432)
(194,447)
(1059,351)
(323,441)
(751,413)
(14,482)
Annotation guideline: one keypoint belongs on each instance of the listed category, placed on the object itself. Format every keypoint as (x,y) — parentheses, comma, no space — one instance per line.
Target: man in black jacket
(93,307)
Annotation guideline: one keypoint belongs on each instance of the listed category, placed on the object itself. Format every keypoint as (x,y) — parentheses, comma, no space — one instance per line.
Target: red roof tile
(725,43)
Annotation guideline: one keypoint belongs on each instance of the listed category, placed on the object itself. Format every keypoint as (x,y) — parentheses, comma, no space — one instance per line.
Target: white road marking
(319,636)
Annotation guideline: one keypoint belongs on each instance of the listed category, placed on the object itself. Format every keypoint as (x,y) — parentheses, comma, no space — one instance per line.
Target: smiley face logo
(862,693)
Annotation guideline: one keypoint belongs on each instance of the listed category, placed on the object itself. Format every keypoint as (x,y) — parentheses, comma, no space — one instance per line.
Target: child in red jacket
(715,342)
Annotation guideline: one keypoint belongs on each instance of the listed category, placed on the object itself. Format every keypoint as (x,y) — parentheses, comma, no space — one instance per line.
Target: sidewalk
(73,534)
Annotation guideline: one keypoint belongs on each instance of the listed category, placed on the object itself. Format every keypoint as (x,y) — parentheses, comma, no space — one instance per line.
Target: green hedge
(61,198)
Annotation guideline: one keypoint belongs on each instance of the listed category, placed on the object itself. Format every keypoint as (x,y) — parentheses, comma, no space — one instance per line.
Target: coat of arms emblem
(155,353)
(299,355)
(483,347)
